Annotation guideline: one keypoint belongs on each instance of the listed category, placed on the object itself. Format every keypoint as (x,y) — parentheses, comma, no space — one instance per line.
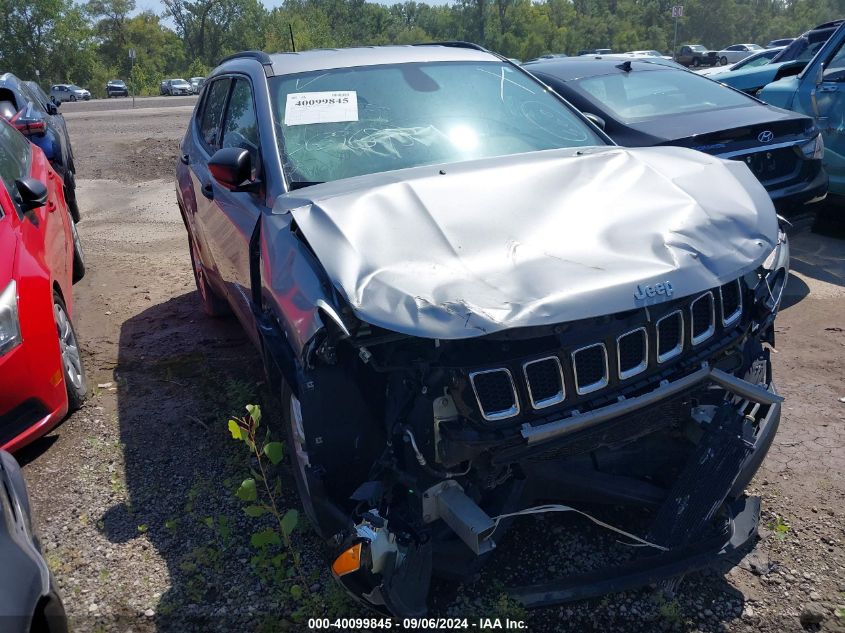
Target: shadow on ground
(180,375)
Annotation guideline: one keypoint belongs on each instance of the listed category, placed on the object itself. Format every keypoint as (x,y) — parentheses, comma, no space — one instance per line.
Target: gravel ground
(134,494)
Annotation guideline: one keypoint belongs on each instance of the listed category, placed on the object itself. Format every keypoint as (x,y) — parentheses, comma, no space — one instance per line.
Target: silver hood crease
(472,248)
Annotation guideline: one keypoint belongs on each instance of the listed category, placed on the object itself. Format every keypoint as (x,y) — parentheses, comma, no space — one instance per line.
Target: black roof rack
(259,56)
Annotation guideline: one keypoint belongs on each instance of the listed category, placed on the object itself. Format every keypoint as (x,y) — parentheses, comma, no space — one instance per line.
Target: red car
(41,373)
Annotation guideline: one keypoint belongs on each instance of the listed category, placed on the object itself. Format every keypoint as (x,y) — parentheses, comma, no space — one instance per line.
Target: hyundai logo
(765,136)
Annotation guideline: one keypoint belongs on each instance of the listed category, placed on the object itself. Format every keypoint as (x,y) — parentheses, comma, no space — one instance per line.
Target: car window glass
(240,128)
(212,112)
(653,93)
(14,156)
(751,63)
(32,98)
(835,69)
(352,121)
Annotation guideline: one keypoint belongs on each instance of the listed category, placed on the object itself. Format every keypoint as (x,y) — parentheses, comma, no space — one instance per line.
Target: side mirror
(33,193)
(52,108)
(232,168)
(595,120)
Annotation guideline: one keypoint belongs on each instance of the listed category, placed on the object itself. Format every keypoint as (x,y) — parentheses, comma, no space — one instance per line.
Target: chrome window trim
(759,148)
(711,329)
(675,351)
(545,402)
(498,415)
(732,318)
(595,386)
(639,368)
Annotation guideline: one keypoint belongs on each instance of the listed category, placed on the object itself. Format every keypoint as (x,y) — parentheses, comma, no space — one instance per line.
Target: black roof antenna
(625,66)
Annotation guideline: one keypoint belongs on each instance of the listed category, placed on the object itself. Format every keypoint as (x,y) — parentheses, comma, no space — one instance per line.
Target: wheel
(212,304)
(70,195)
(78,253)
(723,61)
(295,433)
(72,367)
(696,62)
(73,97)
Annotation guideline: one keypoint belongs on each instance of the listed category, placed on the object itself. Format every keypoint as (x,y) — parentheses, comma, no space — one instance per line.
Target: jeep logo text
(645,291)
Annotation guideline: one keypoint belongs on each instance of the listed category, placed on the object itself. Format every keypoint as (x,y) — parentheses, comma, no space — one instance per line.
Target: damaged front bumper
(702,518)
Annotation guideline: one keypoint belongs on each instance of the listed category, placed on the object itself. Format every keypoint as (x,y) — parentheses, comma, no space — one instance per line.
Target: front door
(825,102)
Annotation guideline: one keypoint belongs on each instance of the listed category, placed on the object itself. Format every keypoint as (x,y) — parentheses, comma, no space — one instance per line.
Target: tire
(212,304)
(78,254)
(723,61)
(73,369)
(70,196)
(295,436)
(696,62)
(73,97)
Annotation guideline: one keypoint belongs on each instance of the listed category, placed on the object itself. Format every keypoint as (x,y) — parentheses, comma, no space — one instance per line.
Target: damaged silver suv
(476,307)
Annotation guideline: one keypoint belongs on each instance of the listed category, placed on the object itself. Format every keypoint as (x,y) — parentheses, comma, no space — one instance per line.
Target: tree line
(89,43)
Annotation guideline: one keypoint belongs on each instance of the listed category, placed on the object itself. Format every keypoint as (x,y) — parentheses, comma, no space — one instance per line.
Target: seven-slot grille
(544,378)
(592,367)
(496,393)
(589,365)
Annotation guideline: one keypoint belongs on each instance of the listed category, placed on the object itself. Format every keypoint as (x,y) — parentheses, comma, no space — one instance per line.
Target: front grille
(495,393)
(632,353)
(703,318)
(545,382)
(640,346)
(670,336)
(731,295)
(589,364)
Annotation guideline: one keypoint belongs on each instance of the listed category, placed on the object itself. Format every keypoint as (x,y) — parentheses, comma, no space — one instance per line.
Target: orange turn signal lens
(348,561)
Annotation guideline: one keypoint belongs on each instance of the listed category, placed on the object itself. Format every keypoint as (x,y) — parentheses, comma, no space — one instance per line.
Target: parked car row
(790,61)
(41,258)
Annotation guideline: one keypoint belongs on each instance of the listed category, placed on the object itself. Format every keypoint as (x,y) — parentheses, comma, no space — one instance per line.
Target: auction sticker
(303,108)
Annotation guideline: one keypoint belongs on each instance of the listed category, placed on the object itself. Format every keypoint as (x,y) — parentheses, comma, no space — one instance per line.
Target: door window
(834,70)
(14,158)
(240,129)
(212,113)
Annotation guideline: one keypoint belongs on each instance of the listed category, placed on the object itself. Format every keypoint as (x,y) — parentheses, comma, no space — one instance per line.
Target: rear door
(206,134)
(228,220)
(232,217)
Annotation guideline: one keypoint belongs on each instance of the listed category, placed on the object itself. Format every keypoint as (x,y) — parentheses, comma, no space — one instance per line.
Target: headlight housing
(814,148)
(10,327)
(773,275)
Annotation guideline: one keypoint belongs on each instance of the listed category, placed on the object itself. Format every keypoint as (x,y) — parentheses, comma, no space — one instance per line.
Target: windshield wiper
(299,184)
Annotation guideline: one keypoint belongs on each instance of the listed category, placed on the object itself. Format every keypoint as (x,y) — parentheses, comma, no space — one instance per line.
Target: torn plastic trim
(580,421)
(740,530)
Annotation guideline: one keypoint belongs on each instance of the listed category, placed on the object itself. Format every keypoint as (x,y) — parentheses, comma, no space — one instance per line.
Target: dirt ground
(134,494)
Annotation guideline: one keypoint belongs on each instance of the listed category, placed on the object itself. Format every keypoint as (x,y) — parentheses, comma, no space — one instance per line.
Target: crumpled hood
(467,249)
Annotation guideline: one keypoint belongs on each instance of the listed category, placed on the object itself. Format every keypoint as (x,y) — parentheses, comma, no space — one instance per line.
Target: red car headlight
(10,327)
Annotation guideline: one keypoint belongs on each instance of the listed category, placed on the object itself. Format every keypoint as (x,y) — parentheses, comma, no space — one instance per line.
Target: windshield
(74,87)
(698,48)
(805,47)
(116,82)
(178,82)
(352,121)
(649,94)
(760,59)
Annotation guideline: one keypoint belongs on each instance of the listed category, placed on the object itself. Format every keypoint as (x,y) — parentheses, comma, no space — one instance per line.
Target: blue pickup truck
(819,91)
